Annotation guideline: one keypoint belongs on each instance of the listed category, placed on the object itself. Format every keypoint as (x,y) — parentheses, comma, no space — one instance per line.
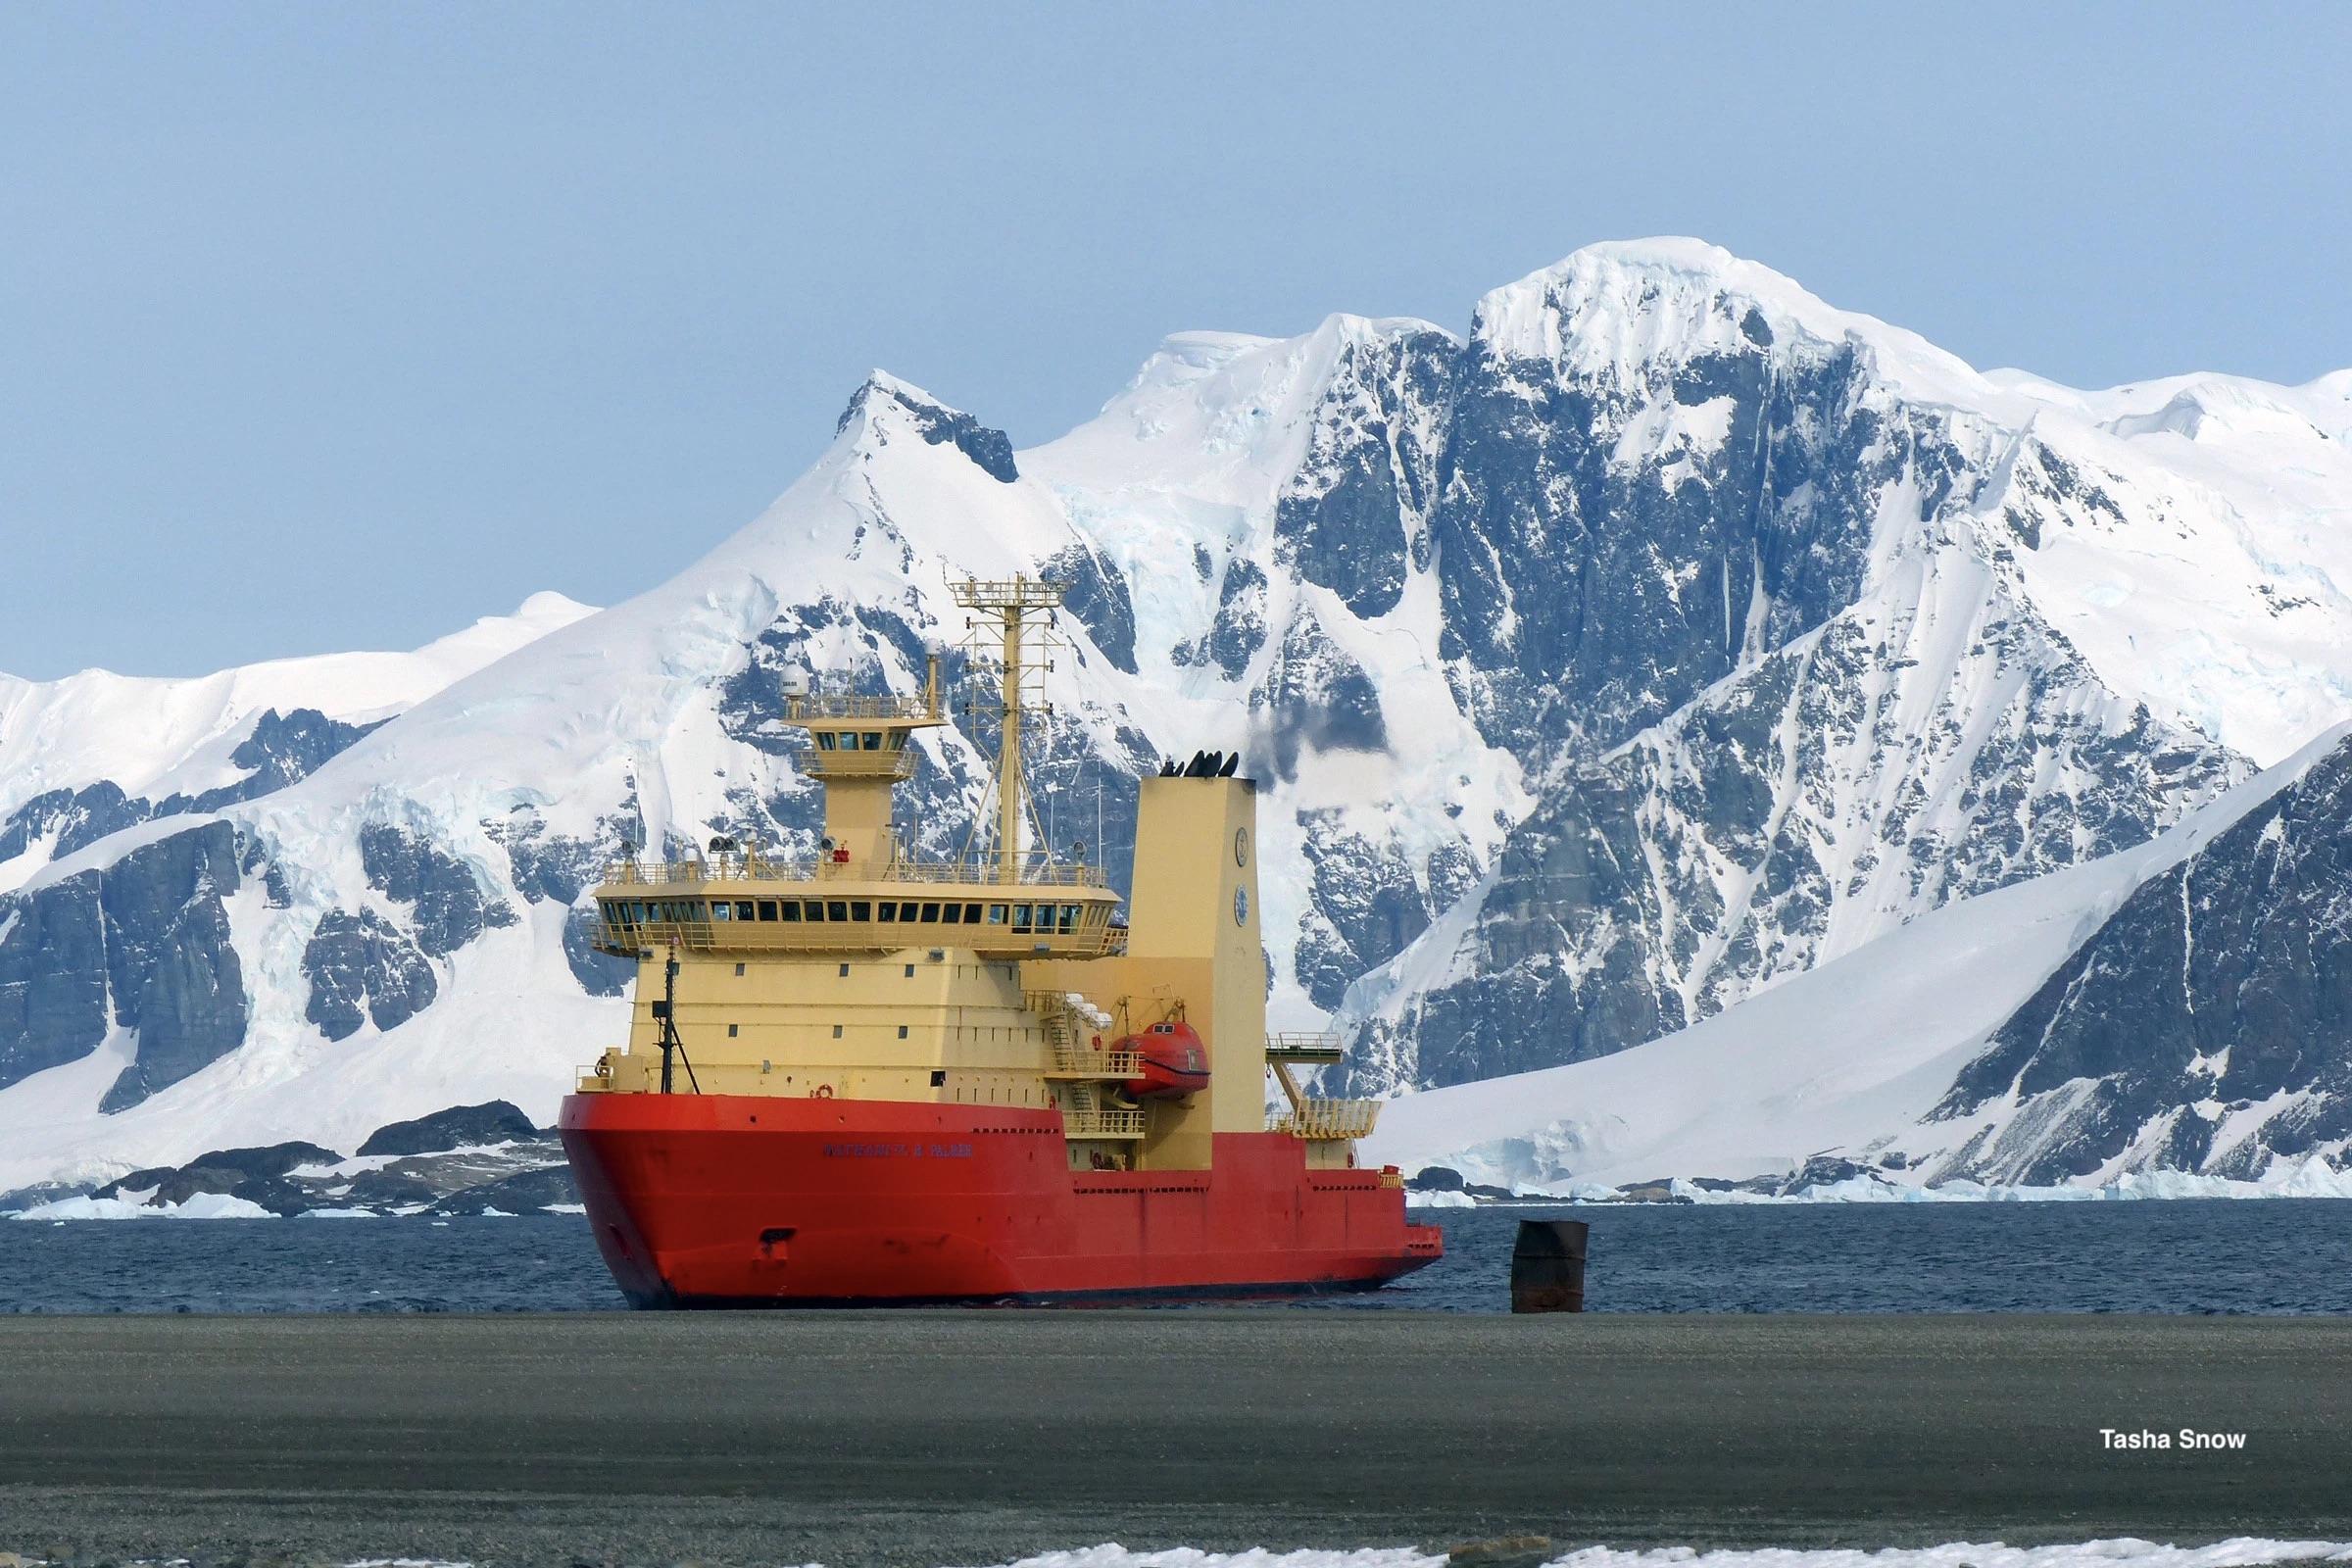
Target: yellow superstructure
(1000,977)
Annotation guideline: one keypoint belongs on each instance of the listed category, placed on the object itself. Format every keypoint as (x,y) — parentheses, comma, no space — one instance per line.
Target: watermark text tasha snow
(2185,1437)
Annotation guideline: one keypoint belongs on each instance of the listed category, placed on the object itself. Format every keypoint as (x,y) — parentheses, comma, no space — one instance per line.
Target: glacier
(1668,648)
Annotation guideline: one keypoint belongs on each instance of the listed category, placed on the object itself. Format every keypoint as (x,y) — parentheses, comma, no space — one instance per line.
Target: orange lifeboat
(1175,1062)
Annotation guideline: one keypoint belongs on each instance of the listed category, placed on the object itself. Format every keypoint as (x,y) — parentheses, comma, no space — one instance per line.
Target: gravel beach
(976,1436)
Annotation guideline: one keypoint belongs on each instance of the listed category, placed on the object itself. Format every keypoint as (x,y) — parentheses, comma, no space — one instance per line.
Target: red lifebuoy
(821,1092)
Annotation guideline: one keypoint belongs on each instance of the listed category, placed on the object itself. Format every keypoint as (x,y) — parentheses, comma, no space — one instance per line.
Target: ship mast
(1020,608)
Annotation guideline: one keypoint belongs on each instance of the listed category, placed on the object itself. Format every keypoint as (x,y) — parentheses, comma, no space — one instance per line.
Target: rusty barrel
(1548,1266)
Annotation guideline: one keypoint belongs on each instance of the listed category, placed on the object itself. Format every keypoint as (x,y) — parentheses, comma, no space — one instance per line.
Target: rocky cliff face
(2207,1026)
(1839,787)
(142,946)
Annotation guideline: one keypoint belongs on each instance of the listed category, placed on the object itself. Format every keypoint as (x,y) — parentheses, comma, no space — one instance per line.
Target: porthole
(1240,846)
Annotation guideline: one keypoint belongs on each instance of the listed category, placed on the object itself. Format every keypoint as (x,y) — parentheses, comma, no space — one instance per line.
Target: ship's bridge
(748,902)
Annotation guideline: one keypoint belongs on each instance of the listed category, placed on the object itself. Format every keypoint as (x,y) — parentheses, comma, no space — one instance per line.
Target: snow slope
(153,735)
(1848,1061)
(95,754)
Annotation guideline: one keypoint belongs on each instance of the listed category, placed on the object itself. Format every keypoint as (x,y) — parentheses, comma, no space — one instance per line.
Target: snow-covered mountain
(82,757)
(2085,1028)
(1669,636)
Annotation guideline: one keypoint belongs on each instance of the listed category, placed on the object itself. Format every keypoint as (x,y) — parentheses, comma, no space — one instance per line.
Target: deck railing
(1078,1124)
(827,706)
(1305,1048)
(1329,1119)
(970,870)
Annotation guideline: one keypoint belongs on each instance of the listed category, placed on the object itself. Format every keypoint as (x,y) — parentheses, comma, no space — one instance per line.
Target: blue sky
(326,327)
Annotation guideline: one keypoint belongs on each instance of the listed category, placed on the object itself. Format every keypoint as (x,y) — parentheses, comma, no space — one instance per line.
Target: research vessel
(876,1077)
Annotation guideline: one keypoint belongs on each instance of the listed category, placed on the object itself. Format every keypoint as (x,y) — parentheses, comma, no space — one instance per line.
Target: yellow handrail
(974,870)
(1327,1119)
(1077,1124)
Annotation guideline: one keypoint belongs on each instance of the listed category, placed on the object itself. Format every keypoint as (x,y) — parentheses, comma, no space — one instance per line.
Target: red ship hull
(736,1201)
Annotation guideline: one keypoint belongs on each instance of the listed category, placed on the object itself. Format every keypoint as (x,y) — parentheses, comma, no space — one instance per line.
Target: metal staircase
(1315,1120)
(1080,1071)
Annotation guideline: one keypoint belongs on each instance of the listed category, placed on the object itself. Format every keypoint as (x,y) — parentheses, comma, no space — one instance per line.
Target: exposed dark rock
(450,909)
(1366,906)
(1566,945)
(284,751)
(1567,574)
(495,1121)
(255,1175)
(79,817)
(1315,698)
(547,866)
(175,976)
(1435,1179)
(991,450)
(387,1189)
(1357,510)
(1662,884)
(52,976)
(1824,1170)
(2224,982)
(522,1194)
(363,962)
(280,751)
(1240,625)
(150,931)
(1098,597)
(19,1199)
(599,975)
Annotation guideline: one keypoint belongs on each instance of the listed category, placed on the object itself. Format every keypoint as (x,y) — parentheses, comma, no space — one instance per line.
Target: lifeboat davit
(1175,1062)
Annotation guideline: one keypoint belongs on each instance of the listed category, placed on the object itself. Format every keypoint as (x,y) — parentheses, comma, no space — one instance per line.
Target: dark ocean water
(2277,1255)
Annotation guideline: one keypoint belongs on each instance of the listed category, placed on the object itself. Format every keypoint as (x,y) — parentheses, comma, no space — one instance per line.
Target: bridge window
(789,909)
(995,914)
(837,909)
(887,911)
(931,912)
(722,911)
(862,911)
(824,741)
(813,909)
(1020,918)
(1069,915)
(743,910)
(971,914)
(874,740)
(954,914)
(767,909)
